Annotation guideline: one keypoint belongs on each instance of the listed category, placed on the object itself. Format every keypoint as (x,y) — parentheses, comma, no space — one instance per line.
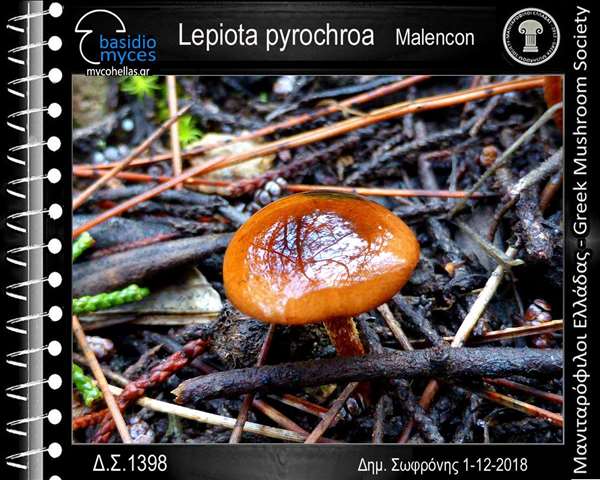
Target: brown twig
(110,374)
(300,404)
(379,421)
(476,80)
(85,171)
(329,417)
(488,247)
(319,134)
(514,192)
(174,129)
(506,333)
(481,302)
(139,265)
(157,375)
(505,157)
(547,396)
(114,411)
(89,419)
(419,320)
(145,357)
(437,362)
(88,192)
(217,420)
(285,124)
(222,186)
(497,218)
(484,115)
(264,408)
(280,419)
(385,192)
(395,327)
(236,434)
(271,412)
(94,418)
(519,405)
(418,411)
(549,166)
(463,333)
(143,242)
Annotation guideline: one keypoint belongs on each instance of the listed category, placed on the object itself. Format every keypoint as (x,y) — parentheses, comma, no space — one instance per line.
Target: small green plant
(83,242)
(85,386)
(140,86)
(102,301)
(150,86)
(188,130)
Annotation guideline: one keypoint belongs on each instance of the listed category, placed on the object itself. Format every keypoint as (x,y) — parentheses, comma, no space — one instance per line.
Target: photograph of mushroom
(317,259)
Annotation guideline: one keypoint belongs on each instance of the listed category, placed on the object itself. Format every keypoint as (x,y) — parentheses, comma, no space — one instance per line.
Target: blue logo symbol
(114,47)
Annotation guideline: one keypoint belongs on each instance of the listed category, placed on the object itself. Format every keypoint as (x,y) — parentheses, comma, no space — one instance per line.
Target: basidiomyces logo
(105,40)
(531,36)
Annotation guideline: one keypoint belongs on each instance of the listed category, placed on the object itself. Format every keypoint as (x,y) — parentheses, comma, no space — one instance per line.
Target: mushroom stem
(344,336)
(346,340)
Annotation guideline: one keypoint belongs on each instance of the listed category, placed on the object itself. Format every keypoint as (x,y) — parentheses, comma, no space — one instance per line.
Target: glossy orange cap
(318,256)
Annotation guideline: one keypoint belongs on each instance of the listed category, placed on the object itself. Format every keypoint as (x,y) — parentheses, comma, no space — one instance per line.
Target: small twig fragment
(114,411)
(174,129)
(88,192)
(329,417)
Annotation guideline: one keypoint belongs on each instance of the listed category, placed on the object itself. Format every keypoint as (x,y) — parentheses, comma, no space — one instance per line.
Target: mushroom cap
(316,256)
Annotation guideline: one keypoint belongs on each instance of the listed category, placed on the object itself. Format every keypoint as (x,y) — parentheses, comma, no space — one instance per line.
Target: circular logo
(531,36)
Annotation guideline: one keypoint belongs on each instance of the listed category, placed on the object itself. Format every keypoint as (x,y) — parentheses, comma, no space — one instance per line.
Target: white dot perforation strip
(54,417)
(19,324)
(15,358)
(54,246)
(29,44)
(54,212)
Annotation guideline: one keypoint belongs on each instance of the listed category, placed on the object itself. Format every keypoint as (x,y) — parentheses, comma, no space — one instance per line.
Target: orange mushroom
(319,257)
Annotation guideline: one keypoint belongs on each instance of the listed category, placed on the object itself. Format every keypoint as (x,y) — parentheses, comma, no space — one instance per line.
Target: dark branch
(139,265)
(443,363)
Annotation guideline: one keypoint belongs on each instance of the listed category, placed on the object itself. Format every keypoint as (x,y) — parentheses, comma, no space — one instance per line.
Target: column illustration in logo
(531,36)
(531,29)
